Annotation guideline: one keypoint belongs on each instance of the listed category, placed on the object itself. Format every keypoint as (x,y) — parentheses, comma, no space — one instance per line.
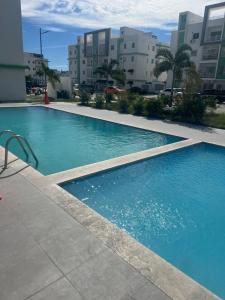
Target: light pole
(41,32)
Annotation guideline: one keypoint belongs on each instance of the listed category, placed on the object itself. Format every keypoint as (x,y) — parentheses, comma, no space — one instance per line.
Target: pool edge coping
(173,282)
(183,287)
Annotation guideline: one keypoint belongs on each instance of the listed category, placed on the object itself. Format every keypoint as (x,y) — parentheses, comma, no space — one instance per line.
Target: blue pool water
(174,204)
(63,141)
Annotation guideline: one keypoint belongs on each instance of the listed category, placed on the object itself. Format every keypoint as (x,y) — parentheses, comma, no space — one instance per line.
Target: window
(153,61)
(196,36)
(153,48)
(28,61)
(125,46)
(112,47)
(83,72)
(132,58)
(83,62)
(133,45)
(223,51)
(194,53)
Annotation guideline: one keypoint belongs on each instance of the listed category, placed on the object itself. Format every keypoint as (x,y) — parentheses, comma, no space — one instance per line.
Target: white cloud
(107,13)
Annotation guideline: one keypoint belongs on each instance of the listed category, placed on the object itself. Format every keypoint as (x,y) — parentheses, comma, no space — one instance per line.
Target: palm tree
(175,63)
(109,70)
(193,82)
(52,76)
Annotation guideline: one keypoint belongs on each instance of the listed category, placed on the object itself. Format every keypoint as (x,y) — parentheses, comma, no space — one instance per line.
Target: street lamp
(41,32)
(45,94)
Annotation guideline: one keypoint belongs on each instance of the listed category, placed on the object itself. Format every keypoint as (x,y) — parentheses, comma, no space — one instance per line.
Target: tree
(49,74)
(175,63)
(109,70)
(192,83)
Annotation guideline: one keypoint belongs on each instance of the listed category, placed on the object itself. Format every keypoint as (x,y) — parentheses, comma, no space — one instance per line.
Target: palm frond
(165,54)
(183,48)
(119,76)
(161,67)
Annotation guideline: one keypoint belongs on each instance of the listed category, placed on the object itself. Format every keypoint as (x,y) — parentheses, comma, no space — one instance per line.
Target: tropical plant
(84,98)
(123,105)
(174,63)
(192,83)
(153,107)
(99,102)
(111,70)
(49,74)
(137,106)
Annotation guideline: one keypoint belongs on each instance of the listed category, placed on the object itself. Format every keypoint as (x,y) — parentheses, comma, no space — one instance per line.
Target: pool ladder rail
(22,142)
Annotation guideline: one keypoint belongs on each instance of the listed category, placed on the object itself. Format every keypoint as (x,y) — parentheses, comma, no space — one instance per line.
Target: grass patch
(215,120)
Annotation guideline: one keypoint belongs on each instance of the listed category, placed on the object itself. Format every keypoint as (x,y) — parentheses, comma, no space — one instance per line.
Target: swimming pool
(174,204)
(63,140)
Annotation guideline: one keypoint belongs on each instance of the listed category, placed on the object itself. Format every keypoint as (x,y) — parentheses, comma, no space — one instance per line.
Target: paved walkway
(46,254)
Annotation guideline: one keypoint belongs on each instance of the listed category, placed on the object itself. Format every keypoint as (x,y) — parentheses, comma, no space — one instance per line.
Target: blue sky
(68,18)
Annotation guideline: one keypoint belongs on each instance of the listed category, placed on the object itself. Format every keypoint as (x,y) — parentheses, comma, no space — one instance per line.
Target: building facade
(34,62)
(12,75)
(134,50)
(206,36)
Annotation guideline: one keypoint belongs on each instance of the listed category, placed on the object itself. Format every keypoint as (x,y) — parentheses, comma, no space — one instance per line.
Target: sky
(66,19)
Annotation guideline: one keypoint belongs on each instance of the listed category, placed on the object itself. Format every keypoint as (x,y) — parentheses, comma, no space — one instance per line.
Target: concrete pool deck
(54,247)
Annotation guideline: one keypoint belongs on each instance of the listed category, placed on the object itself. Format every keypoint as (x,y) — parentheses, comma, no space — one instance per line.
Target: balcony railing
(209,56)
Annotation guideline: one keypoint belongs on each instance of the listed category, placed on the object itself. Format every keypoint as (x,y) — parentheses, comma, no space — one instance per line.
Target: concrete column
(12,74)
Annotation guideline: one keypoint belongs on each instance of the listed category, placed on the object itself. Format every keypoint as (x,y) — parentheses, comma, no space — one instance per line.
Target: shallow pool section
(174,204)
(63,140)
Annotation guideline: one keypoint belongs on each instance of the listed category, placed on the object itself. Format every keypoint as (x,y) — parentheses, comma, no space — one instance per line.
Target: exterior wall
(33,61)
(134,50)
(12,77)
(64,84)
(207,39)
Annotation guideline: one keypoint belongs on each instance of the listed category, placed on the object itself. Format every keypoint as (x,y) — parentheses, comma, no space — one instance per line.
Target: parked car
(114,90)
(167,92)
(219,95)
(136,90)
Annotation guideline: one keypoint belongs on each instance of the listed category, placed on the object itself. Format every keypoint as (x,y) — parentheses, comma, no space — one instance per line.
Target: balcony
(207,70)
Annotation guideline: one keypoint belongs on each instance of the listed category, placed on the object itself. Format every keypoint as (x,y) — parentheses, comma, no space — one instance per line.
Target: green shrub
(191,109)
(84,98)
(123,105)
(153,107)
(137,106)
(108,98)
(210,101)
(99,102)
(164,99)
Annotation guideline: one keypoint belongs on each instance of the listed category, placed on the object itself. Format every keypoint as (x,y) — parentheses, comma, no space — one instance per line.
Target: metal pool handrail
(21,140)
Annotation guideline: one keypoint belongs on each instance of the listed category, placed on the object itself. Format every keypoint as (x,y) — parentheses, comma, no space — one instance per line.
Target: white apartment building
(134,50)
(206,36)
(12,77)
(34,61)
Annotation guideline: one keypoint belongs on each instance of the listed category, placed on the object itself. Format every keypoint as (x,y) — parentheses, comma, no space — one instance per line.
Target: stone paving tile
(15,241)
(106,276)
(147,292)
(70,248)
(59,290)
(27,275)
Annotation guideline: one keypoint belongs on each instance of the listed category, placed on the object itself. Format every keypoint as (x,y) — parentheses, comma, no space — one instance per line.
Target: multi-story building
(12,77)
(206,36)
(34,62)
(134,50)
